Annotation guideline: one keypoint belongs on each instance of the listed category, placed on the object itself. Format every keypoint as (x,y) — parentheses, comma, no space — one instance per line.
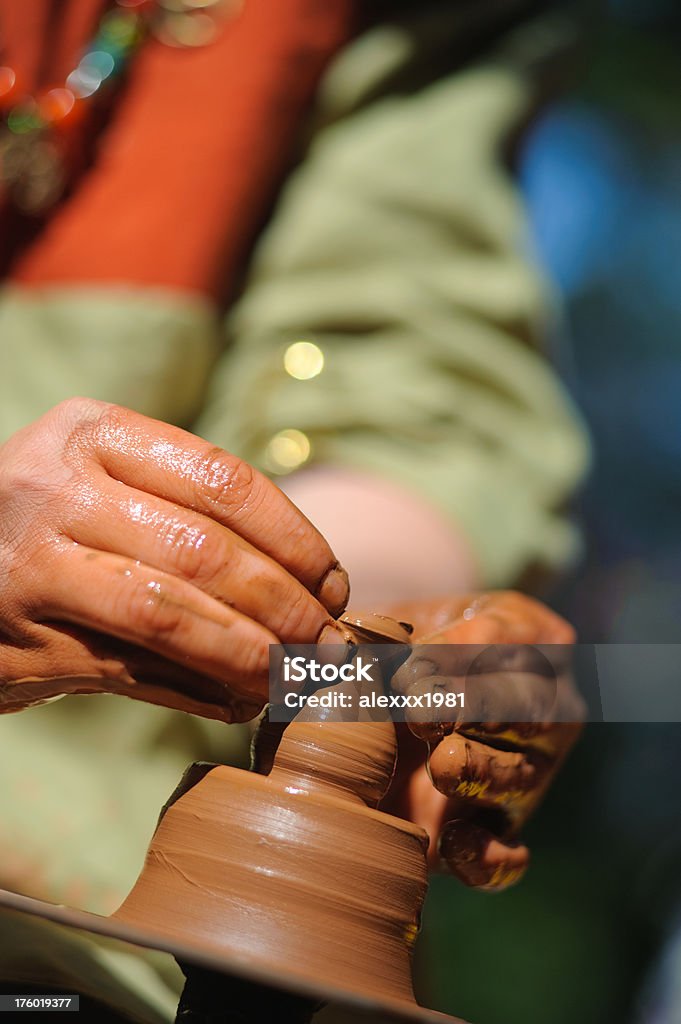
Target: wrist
(395,545)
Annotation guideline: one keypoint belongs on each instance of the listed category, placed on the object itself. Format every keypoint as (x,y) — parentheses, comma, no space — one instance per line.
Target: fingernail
(331,634)
(334,590)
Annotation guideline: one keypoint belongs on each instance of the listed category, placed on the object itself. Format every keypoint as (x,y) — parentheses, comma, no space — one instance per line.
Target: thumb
(480,859)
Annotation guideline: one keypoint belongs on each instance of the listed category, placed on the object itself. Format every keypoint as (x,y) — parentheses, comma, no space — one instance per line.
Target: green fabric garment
(151,351)
(399,248)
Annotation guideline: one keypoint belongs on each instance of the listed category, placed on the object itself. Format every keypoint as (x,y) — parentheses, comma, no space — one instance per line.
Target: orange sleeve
(190,161)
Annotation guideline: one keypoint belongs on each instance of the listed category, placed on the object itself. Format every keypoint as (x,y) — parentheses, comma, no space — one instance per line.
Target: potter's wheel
(325,908)
(252,922)
(288,981)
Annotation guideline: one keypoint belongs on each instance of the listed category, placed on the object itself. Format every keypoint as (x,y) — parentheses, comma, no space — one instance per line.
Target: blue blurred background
(592,933)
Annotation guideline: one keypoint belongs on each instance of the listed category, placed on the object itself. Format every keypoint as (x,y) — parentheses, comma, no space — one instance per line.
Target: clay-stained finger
(181,468)
(200,551)
(85,662)
(502,617)
(493,701)
(468,769)
(332,648)
(514,692)
(480,859)
(133,602)
(461,660)
(504,697)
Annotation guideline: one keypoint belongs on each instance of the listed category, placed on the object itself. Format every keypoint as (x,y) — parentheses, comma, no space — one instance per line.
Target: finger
(84,662)
(481,776)
(461,660)
(508,690)
(496,699)
(413,796)
(191,693)
(163,682)
(518,706)
(502,617)
(173,464)
(469,769)
(428,660)
(90,662)
(200,551)
(432,615)
(492,701)
(551,739)
(129,600)
(480,859)
(531,712)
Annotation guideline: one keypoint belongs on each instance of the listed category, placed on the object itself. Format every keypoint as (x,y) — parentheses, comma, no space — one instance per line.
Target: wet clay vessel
(295,870)
(290,882)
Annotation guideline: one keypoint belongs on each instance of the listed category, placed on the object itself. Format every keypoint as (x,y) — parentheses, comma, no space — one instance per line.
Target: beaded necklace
(33,171)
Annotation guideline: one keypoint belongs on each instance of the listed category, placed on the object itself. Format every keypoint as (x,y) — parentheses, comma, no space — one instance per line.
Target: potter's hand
(137,559)
(488,775)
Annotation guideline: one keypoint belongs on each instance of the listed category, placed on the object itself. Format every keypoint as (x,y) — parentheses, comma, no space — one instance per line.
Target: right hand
(136,558)
(485,778)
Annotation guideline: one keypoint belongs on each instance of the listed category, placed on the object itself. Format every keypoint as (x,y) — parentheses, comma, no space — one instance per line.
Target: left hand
(487,777)
(137,559)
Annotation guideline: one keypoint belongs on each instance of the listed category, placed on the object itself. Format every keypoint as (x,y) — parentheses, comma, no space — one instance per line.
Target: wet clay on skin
(296,870)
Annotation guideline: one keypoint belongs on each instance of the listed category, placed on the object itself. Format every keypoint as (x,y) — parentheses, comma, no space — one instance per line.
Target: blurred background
(589,935)
(593,932)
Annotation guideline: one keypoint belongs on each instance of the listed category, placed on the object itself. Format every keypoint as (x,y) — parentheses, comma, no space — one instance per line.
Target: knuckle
(45,457)
(507,606)
(301,618)
(152,611)
(102,421)
(511,604)
(228,481)
(84,422)
(84,496)
(79,414)
(256,660)
(195,557)
(73,410)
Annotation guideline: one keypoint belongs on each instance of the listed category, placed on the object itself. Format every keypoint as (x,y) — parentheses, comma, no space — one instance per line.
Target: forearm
(394,544)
